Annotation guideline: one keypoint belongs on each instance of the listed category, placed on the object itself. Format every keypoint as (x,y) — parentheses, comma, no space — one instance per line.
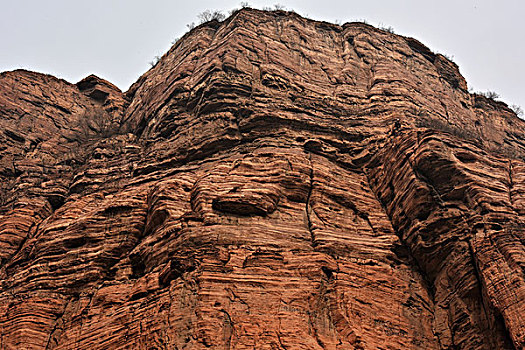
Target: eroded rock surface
(272,183)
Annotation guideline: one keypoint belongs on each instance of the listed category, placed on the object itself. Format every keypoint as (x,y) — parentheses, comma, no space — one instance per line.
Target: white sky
(115,39)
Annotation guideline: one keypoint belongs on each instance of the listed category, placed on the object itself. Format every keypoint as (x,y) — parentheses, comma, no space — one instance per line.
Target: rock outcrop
(273,182)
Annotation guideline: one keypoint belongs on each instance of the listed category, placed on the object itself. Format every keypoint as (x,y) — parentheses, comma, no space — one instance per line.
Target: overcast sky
(115,39)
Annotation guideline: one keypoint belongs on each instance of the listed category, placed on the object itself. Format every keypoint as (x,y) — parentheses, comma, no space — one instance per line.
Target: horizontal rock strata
(273,182)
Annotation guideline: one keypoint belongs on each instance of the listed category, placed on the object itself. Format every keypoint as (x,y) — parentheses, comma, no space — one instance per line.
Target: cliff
(273,182)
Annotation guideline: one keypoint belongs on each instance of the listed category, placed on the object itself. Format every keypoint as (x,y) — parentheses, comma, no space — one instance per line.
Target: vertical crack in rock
(411,259)
(57,324)
(228,329)
(510,184)
(15,258)
(405,246)
(278,333)
(485,301)
(314,332)
(8,262)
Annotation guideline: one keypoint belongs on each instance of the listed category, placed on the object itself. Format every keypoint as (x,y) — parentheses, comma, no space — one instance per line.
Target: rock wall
(273,182)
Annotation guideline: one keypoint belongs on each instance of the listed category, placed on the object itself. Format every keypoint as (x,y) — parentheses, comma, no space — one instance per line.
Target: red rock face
(272,183)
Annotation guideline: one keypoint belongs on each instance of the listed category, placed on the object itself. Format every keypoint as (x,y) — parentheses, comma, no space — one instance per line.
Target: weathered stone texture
(272,183)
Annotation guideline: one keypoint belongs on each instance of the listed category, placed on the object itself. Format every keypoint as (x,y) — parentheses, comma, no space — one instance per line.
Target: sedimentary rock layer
(273,182)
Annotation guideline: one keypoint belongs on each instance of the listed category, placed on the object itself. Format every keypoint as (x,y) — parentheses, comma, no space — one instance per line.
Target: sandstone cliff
(273,182)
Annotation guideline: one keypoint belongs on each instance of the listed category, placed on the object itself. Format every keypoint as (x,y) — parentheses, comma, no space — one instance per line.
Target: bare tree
(489,94)
(518,110)
(208,15)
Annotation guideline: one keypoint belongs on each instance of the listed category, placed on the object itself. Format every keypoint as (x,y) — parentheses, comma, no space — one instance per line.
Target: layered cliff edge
(273,182)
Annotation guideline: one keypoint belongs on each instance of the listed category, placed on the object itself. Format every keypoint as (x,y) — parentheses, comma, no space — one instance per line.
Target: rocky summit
(273,182)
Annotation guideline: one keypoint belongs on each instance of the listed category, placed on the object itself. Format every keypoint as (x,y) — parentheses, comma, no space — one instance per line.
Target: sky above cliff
(116,39)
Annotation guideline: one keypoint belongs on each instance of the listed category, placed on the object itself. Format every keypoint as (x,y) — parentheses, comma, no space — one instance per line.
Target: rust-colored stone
(273,182)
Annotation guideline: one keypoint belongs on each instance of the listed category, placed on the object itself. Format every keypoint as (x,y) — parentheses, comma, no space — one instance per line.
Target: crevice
(313,329)
(308,207)
(238,298)
(365,217)
(279,337)
(510,185)
(56,324)
(485,302)
(228,329)
(13,258)
(17,251)
(423,178)
(408,255)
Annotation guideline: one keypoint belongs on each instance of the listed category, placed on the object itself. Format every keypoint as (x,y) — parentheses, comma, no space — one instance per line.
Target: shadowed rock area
(273,182)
